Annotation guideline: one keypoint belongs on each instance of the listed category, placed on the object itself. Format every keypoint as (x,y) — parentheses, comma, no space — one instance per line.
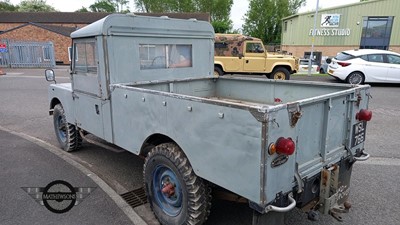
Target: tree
(264,18)
(35,6)
(221,26)
(219,9)
(6,6)
(83,9)
(102,6)
(110,6)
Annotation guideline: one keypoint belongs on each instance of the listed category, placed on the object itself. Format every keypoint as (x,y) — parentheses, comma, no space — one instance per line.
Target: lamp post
(312,40)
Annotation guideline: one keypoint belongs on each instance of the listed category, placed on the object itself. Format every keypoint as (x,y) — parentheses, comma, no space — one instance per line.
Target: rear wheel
(67,134)
(175,193)
(355,78)
(218,71)
(280,73)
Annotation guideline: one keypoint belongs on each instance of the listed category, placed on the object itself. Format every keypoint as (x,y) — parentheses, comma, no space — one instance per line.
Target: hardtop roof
(145,25)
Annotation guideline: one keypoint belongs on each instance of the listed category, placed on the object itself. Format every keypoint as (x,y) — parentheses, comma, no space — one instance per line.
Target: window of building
(164,56)
(285,26)
(376,32)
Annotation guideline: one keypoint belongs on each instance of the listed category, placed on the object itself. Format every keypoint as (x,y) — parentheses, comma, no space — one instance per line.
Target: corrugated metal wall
(299,26)
(20,54)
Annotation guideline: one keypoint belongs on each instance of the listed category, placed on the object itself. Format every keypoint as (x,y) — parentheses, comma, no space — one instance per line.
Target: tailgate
(325,130)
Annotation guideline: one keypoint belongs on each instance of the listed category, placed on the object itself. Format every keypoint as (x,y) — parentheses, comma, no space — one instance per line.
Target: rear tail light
(283,146)
(364,115)
(344,64)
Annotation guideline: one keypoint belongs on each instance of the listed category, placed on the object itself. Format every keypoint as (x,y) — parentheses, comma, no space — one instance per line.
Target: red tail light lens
(364,115)
(343,64)
(284,146)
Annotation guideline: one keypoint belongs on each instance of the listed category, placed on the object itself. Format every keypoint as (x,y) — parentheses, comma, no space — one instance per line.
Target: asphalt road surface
(375,183)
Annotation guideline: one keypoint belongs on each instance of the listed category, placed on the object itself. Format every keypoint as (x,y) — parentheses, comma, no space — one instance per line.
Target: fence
(20,54)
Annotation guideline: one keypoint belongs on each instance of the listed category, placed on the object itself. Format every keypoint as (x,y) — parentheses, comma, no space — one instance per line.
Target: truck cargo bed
(241,92)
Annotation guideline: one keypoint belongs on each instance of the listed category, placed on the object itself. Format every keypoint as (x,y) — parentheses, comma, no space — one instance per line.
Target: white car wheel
(355,78)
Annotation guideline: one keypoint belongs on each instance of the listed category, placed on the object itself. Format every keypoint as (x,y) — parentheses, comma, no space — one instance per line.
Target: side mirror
(50,75)
(240,55)
(328,60)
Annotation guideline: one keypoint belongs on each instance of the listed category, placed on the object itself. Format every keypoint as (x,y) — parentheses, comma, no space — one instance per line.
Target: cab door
(87,94)
(254,57)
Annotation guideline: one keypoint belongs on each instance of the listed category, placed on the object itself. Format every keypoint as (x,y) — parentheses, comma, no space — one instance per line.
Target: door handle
(247,61)
(97,109)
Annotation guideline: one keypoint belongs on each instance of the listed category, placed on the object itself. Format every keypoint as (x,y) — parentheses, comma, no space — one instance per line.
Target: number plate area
(358,136)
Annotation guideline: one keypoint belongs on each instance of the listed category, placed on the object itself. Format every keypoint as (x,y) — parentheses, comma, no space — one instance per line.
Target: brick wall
(33,33)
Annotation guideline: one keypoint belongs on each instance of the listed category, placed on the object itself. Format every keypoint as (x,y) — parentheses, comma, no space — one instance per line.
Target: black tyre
(321,71)
(218,71)
(176,195)
(67,134)
(355,78)
(280,73)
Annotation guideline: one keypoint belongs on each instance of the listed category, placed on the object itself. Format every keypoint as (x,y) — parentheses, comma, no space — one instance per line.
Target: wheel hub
(168,189)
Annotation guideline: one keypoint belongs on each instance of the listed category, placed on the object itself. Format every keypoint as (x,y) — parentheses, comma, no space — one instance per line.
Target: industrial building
(371,24)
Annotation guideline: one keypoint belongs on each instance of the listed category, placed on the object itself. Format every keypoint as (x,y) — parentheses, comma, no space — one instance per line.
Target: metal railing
(26,54)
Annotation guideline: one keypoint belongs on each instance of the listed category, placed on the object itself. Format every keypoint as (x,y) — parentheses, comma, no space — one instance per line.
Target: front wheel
(175,193)
(67,134)
(280,73)
(355,78)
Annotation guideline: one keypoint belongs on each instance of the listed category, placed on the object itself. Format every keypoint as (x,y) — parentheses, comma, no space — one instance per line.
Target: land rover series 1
(146,84)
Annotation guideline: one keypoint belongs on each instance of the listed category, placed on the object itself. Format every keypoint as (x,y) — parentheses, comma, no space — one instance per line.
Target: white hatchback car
(366,65)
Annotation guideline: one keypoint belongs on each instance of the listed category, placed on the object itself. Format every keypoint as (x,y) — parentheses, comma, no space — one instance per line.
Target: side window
(254,48)
(393,59)
(165,56)
(87,60)
(375,58)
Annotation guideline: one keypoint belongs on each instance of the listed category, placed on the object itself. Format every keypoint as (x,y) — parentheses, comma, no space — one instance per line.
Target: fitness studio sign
(329,27)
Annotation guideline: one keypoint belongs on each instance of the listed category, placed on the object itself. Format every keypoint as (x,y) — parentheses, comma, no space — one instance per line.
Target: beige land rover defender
(240,54)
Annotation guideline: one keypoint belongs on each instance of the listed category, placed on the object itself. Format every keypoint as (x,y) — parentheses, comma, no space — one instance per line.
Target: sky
(238,10)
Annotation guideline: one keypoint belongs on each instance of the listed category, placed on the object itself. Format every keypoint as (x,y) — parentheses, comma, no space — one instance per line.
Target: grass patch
(313,74)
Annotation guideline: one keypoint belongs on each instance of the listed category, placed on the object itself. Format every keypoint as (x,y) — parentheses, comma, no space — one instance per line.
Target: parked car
(303,66)
(366,65)
(325,64)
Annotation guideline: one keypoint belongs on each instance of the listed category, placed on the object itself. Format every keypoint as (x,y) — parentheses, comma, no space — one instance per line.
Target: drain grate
(135,198)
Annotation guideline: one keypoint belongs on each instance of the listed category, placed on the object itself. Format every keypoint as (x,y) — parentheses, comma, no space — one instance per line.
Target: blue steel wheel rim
(61,129)
(162,176)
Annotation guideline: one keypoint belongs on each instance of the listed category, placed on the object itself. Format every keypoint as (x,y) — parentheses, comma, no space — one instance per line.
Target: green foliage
(221,26)
(83,9)
(6,6)
(110,6)
(219,9)
(264,18)
(102,6)
(35,6)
